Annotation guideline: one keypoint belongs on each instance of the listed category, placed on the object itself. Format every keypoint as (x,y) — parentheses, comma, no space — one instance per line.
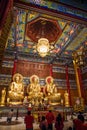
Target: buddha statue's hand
(48,94)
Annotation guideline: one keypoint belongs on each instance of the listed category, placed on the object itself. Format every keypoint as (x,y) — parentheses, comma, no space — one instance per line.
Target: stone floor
(21,125)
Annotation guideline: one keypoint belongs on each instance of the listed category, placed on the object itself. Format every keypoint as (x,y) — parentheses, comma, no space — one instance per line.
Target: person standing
(43,123)
(80,117)
(10,115)
(59,122)
(28,120)
(50,119)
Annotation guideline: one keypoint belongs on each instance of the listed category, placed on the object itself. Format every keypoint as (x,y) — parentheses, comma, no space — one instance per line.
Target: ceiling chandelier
(43,47)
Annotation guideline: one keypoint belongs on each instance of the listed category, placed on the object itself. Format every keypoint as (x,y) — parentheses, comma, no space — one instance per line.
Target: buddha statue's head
(18,78)
(34,79)
(49,80)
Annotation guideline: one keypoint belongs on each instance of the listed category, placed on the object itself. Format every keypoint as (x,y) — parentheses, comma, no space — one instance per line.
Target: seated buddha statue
(16,90)
(50,86)
(34,89)
(53,96)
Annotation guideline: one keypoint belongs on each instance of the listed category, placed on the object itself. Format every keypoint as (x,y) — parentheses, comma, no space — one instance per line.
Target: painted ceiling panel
(28,26)
(66,6)
(77,42)
(82,3)
(74,3)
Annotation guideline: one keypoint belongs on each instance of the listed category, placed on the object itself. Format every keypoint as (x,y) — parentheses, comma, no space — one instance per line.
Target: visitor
(78,122)
(28,120)
(50,119)
(59,122)
(80,117)
(70,128)
(43,123)
(10,115)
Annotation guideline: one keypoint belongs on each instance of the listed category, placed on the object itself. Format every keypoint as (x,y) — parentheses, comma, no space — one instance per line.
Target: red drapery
(68,84)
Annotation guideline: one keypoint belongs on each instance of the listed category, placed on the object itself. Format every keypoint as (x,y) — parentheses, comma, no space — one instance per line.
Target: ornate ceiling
(65,36)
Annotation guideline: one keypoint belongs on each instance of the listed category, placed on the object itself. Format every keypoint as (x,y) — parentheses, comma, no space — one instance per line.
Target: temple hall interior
(43,61)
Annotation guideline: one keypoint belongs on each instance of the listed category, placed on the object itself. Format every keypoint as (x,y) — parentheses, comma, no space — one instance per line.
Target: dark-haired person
(43,123)
(10,115)
(28,120)
(78,122)
(80,117)
(59,122)
(50,119)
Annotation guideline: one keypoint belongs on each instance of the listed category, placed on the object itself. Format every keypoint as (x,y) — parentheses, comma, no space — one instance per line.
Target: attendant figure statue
(3,96)
(66,97)
(16,92)
(25,101)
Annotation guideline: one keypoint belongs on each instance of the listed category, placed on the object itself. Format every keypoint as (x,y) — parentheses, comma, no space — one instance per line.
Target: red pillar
(14,67)
(68,85)
(51,70)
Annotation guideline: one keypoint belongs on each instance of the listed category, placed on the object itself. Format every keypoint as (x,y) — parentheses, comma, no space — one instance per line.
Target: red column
(68,84)
(51,70)
(14,65)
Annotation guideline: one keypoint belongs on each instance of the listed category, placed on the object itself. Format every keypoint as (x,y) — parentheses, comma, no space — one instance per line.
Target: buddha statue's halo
(49,79)
(18,75)
(33,77)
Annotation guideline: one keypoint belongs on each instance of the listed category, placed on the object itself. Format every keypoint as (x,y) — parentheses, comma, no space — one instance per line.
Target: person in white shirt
(10,115)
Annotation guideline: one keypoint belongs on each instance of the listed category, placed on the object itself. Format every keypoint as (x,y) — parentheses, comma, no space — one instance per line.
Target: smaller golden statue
(16,90)
(25,101)
(66,99)
(3,96)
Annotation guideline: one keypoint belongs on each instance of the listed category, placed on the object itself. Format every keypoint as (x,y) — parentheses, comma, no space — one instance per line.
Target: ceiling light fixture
(43,47)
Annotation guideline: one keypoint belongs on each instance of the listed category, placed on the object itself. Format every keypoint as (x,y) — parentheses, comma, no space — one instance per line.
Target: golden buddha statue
(34,89)
(50,86)
(16,90)
(53,96)
(66,99)
(3,95)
